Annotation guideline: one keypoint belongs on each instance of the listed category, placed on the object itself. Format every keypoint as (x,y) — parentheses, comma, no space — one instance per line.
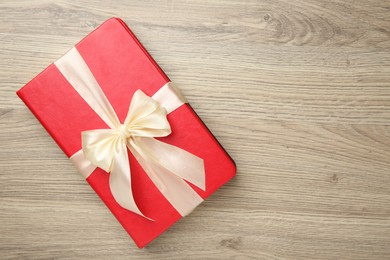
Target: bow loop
(100,146)
(146,117)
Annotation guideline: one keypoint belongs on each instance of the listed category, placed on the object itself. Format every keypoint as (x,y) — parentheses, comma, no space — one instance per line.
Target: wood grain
(298,92)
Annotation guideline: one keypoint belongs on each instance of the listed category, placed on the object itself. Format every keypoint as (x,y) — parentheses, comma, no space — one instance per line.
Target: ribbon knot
(123,133)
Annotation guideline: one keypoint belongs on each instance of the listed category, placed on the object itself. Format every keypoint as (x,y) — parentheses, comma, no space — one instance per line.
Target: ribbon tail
(176,160)
(120,181)
(169,180)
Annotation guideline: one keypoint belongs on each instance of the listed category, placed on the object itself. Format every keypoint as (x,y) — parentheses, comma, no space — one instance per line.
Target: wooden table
(298,92)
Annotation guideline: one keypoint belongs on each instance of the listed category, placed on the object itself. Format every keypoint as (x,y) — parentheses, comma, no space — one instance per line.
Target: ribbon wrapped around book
(168,166)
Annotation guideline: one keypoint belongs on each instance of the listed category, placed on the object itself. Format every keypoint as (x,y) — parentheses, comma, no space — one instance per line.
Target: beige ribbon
(169,167)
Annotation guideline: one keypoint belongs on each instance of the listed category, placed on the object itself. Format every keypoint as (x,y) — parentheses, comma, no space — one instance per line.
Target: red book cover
(121,65)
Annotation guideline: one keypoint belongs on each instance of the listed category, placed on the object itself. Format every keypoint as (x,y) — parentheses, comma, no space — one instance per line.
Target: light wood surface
(298,92)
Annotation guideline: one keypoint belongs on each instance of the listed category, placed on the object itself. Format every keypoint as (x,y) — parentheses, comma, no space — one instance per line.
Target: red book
(121,65)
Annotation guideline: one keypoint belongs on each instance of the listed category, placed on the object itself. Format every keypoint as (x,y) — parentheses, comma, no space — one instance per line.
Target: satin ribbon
(168,167)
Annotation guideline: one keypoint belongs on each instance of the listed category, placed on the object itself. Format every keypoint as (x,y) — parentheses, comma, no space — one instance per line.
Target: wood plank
(298,92)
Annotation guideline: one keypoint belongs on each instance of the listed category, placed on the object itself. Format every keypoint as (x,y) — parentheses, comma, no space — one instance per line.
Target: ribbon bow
(168,166)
